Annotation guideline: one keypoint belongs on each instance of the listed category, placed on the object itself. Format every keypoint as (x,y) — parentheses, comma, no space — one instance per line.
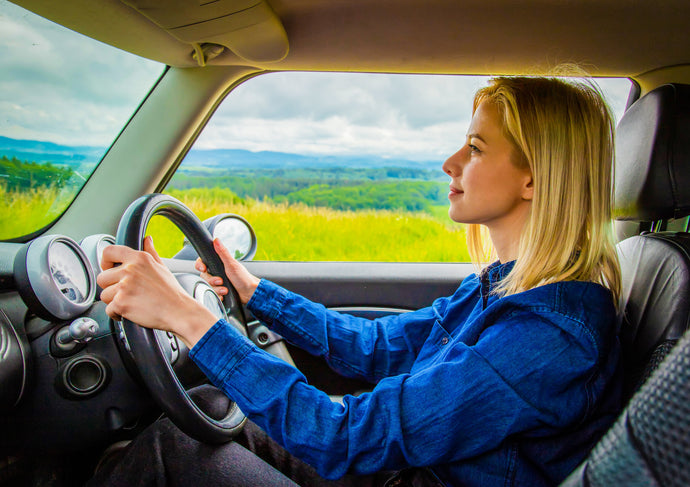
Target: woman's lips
(454,191)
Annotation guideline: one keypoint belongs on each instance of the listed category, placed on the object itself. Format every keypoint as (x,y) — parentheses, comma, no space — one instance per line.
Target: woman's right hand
(242,280)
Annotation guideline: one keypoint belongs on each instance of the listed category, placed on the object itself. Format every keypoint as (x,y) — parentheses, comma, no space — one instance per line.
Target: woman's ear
(528,187)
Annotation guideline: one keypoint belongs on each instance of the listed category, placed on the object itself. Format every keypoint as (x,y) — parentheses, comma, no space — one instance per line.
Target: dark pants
(162,455)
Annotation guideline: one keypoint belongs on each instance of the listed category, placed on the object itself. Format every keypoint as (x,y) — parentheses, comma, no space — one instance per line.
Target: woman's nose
(453,165)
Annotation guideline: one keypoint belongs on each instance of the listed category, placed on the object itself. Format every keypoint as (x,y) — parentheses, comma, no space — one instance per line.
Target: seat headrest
(653,156)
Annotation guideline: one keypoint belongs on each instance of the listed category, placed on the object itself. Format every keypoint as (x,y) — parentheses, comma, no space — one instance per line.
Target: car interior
(75,382)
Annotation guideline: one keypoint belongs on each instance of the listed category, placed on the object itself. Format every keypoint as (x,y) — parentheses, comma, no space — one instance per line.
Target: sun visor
(249,28)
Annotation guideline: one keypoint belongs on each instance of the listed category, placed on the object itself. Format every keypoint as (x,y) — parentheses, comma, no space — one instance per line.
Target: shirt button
(444,341)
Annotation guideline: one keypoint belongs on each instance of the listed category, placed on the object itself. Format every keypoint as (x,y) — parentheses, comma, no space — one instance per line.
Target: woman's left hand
(138,286)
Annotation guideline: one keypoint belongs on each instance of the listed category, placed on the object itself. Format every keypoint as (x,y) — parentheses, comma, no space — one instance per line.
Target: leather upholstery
(655,297)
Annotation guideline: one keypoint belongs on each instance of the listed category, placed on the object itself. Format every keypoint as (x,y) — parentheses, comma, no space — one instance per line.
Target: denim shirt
(484,390)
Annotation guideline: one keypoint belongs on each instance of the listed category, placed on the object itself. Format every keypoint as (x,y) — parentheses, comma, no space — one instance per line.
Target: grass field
(284,232)
(23,212)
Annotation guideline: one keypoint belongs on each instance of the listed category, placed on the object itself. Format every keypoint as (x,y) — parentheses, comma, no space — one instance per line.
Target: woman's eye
(473,148)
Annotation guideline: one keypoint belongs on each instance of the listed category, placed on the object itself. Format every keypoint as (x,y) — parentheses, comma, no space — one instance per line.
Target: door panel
(405,286)
(367,289)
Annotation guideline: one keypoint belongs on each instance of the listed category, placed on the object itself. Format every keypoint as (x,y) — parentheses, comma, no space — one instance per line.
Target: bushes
(23,175)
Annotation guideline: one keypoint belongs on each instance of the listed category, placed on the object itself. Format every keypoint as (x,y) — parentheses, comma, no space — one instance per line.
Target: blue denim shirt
(484,390)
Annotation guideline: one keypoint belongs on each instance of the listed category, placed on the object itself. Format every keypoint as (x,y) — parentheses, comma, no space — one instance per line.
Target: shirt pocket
(438,340)
(439,336)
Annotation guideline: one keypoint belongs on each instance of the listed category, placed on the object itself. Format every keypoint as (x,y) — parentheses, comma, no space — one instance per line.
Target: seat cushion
(655,271)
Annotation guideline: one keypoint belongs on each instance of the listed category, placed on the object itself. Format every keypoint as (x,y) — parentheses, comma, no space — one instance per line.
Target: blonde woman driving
(509,381)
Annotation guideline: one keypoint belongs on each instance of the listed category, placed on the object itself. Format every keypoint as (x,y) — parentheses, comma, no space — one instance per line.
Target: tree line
(389,188)
(17,175)
(374,188)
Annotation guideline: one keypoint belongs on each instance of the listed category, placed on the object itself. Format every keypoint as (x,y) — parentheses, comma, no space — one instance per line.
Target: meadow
(291,232)
(284,231)
(27,210)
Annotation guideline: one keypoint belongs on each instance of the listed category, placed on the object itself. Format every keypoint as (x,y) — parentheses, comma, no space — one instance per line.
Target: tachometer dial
(93,246)
(205,295)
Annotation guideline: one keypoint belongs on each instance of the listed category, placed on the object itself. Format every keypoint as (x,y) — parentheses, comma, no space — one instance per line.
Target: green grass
(25,211)
(298,232)
(284,232)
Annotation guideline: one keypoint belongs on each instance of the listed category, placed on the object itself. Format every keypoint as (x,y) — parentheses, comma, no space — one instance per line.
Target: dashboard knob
(81,330)
(78,332)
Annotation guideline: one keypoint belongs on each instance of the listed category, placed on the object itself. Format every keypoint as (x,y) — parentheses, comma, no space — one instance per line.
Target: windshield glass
(330,166)
(63,99)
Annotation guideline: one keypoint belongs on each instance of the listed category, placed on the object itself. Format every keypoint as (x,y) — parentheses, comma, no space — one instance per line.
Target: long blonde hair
(563,132)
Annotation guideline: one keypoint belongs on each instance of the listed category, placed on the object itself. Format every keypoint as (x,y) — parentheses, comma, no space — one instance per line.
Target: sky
(61,87)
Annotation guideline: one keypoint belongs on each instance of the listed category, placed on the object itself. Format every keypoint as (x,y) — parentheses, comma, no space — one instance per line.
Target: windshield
(63,100)
(329,166)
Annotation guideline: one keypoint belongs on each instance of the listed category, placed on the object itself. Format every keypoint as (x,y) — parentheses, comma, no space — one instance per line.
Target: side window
(63,100)
(339,167)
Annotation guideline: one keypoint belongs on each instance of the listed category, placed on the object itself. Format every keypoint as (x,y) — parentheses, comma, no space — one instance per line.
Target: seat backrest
(652,184)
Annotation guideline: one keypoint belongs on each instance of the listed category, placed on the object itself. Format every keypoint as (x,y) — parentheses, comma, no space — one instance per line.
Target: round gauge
(54,277)
(234,231)
(68,272)
(93,246)
(102,244)
(237,237)
(205,295)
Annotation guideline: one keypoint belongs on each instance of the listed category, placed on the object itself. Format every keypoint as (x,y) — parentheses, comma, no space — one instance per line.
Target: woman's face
(486,186)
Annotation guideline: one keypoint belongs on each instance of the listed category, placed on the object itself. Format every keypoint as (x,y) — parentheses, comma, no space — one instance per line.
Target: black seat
(655,298)
(650,442)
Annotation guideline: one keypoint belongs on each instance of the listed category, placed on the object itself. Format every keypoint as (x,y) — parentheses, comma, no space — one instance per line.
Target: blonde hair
(563,132)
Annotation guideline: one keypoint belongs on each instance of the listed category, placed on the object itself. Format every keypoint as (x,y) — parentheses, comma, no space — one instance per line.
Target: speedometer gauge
(54,277)
(67,270)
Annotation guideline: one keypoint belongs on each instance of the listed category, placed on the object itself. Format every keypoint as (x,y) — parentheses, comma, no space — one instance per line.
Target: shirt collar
(497,271)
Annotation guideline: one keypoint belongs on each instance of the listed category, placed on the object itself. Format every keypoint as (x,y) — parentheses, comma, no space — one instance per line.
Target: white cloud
(410,116)
(59,86)
(336,135)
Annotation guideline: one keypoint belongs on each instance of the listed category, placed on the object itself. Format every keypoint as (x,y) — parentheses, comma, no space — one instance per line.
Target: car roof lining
(460,37)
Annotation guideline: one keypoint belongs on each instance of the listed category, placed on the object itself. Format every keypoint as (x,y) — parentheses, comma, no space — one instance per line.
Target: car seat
(649,444)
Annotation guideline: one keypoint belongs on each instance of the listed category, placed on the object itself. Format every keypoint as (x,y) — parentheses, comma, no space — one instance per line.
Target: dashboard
(68,377)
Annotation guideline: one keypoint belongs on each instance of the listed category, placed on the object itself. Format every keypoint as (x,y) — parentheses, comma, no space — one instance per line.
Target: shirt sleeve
(507,383)
(352,346)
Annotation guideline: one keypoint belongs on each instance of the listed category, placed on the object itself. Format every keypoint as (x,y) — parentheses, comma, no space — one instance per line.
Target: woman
(509,381)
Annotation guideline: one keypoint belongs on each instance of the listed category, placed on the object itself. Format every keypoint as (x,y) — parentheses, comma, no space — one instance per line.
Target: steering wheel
(154,365)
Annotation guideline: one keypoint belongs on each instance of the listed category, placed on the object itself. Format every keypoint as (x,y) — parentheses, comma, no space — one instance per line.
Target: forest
(382,188)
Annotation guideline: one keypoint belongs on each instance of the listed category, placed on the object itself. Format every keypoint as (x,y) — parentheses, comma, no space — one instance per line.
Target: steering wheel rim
(155,369)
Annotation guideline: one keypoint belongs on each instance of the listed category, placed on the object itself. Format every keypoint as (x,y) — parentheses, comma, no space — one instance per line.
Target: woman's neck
(505,235)
(506,248)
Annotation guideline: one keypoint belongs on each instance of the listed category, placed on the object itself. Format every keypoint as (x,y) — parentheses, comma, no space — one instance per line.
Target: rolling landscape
(302,207)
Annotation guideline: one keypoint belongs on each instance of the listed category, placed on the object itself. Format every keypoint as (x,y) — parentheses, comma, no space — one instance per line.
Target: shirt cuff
(267,301)
(220,351)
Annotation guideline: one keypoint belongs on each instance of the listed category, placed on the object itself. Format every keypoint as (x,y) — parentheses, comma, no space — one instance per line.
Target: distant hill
(238,158)
(39,151)
(76,156)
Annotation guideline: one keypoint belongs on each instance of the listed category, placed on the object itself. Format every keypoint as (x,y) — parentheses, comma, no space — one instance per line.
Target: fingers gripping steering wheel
(154,366)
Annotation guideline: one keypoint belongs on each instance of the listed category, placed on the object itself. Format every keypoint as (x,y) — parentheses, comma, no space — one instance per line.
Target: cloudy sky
(55,86)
